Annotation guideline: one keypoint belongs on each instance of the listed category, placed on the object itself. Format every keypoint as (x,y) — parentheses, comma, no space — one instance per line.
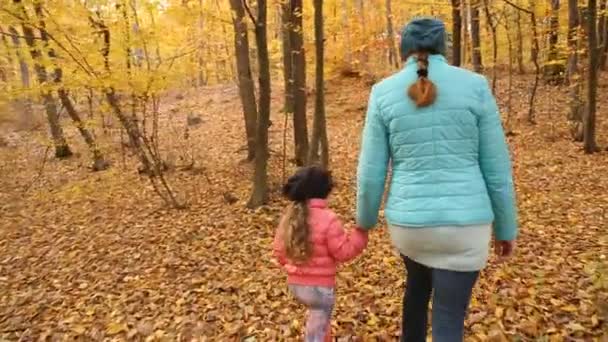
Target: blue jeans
(451,292)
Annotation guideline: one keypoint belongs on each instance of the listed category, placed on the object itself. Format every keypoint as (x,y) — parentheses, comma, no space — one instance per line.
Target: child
(309,244)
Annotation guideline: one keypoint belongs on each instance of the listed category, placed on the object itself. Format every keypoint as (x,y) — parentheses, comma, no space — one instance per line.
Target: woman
(451,184)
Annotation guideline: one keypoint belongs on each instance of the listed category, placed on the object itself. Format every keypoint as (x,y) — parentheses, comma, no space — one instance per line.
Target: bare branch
(518,7)
(246,5)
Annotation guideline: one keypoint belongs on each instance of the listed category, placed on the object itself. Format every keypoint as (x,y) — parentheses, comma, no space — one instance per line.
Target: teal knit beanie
(423,34)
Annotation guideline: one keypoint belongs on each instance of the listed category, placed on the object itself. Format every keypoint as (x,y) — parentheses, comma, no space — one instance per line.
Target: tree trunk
(201,61)
(456,30)
(319,132)
(508,124)
(62,150)
(99,162)
(300,125)
(348,54)
(492,27)
(520,46)
(259,194)
(553,68)
(465,9)
(246,84)
(553,30)
(476,38)
(535,48)
(288,76)
(603,29)
(25,104)
(589,120)
(573,27)
(393,57)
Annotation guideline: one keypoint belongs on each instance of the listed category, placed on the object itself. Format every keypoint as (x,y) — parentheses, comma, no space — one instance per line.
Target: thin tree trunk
(299,83)
(456,30)
(201,61)
(99,162)
(246,84)
(288,76)
(25,103)
(393,58)
(589,120)
(259,194)
(464,37)
(508,124)
(603,29)
(62,150)
(534,55)
(476,38)
(348,39)
(492,26)
(319,133)
(7,70)
(553,69)
(573,27)
(520,46)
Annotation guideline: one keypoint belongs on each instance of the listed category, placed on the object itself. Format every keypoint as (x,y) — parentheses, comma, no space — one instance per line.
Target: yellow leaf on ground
(115,328)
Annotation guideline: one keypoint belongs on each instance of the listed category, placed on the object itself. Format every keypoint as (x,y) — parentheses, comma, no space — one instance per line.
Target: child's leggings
(320,302)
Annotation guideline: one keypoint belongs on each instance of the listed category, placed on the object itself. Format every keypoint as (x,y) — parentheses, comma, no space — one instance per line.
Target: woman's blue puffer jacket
(450,161)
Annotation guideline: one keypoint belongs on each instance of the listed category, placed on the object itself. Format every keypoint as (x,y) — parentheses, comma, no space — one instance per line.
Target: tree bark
(573,26)
(99,162)
(259,194)
(603,29)
(393,57)
(589,120)
(456,30)
(62,150)
(520,46)
(300,125)
(348,54)
(476,38)
(288,76)
(492,25)
(246,84)
(319,133)
(25,104)
(553,69)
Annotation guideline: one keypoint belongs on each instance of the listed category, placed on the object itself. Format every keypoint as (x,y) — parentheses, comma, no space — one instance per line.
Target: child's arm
(342,245)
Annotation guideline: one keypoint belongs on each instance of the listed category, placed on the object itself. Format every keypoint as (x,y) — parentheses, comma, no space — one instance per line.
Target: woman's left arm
(373,164)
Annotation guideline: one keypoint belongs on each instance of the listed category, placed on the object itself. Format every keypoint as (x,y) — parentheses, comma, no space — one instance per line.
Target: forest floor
(95,255)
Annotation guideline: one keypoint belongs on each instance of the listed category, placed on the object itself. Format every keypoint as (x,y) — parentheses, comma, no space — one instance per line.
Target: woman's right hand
(504,249)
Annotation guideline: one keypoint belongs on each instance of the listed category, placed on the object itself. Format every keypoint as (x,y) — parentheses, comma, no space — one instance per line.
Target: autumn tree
(476,37)
(534,55)
(319,133)
(574,73)
(99,162)
(603,32)
(62,150)
(553,67)
(24,103)
(245,79)
(294,64)
(456,31)
(492,27)
(259,194)
(593,51)
(393,56)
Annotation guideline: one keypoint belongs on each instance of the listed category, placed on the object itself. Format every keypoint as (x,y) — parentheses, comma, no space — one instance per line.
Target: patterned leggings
(320,302)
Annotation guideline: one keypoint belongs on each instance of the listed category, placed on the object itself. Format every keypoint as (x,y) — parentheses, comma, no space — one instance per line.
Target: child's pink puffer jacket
(331,245)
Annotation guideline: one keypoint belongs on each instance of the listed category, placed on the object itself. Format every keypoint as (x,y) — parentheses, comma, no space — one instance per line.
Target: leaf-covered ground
(94,256)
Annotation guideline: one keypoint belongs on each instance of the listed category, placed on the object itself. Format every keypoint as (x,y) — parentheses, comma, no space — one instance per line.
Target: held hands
(504,249)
